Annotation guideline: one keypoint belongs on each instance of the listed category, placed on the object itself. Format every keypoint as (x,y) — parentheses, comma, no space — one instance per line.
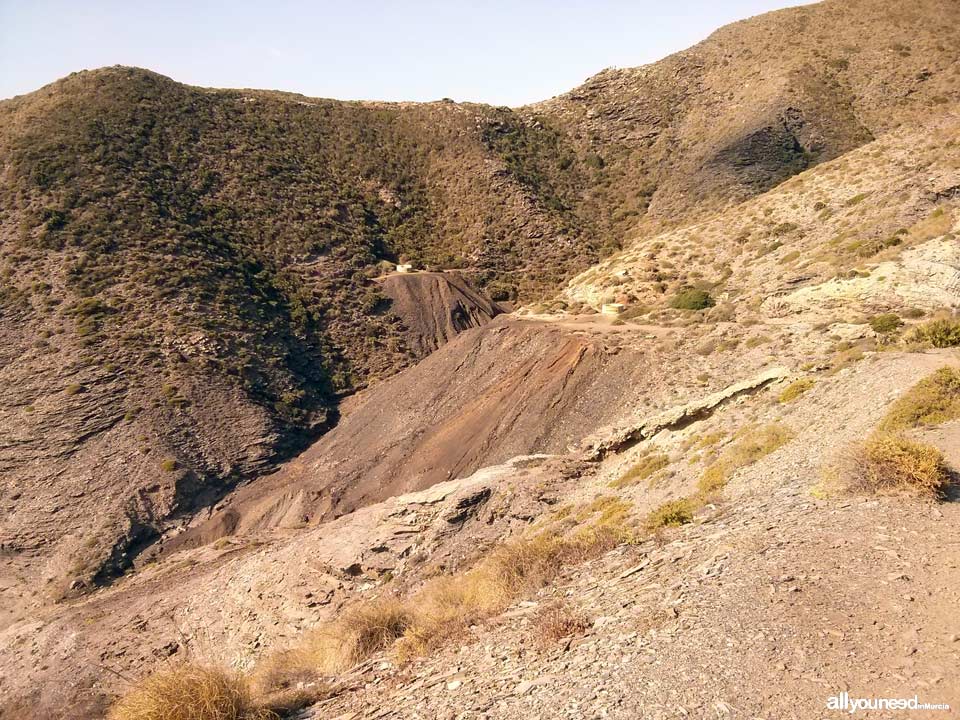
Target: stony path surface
(759,612)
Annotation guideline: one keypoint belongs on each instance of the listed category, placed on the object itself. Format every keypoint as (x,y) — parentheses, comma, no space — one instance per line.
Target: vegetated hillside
(189,288)
(756,102)
(187,284)
(874,230)
(187,274)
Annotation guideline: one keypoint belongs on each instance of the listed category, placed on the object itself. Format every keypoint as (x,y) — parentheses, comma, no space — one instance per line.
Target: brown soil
(436,307)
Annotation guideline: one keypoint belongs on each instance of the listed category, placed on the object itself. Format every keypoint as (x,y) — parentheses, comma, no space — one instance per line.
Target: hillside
(188,286)
(177,260)
(755,103)
(227,421)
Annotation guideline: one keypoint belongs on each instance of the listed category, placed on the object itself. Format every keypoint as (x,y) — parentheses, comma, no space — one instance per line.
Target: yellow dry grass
(796,389)
(933,400)
(445,607)
(886,464)
(190,692)
(642,470)
(753,443)
(671,513)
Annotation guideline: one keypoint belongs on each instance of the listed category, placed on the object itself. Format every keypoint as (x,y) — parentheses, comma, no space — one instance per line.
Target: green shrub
(885,323)
(169,465)
(691,299)
(939,333)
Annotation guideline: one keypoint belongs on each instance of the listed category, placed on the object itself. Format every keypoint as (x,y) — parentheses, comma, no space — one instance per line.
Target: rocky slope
(756,102)
(187,274)
(191,281)
(694,600)
(851,234)
(436,307)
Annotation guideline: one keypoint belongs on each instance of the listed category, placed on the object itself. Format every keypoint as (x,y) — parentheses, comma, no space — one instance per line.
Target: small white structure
(612,308)
(405,268)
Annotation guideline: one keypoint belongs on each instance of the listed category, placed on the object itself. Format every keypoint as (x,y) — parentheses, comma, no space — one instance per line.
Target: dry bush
(795,389)
(933,400)
(642,470)
(525,565)
(671,514)
(887,464)
(557,621)
(374,626)
(190,692)
(939,333)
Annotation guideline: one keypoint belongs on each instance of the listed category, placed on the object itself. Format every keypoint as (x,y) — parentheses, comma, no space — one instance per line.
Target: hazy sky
(499,52)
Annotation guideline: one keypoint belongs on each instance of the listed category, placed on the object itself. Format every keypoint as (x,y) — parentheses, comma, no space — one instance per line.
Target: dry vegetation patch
(442,610)
(796,389)
(933,400)
(752,443)
(646,467)
(940,332)
(446,606)
(557,621)
(671,514)
(888,464)
(190,692)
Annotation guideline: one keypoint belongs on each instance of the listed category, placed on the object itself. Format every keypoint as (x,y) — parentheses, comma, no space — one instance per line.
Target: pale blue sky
(500,52)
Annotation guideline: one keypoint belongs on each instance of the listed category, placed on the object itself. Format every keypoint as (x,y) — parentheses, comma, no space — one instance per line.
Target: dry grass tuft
(795,389)
(374,626)
(642,470)
(190,692)
(753,443)
(558,621)
(335,646)
(933,400)
(887,464)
